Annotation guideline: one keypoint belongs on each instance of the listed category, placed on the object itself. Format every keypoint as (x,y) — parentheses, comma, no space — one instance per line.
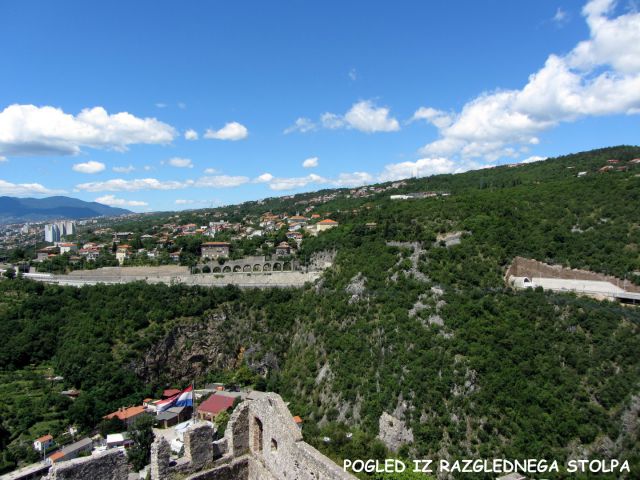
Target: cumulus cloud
(191,134)
(220,181)
(353,179)
(332,121)
(28,130)
(127,169)
(302,125)
(89,167)
(122,185)
(231,131)
(210,171)
(113,201)
(296,182)
(364,116)
(438,118)
(180,162)
(534,158)
(420,168)
(311,162)
(264,178)
(22,189)
(600,76)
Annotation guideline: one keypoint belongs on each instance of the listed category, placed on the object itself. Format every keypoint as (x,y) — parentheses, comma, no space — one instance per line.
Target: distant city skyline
(165,106)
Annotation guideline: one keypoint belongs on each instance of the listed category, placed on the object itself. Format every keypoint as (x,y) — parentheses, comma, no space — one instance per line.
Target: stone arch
(237,268)
(246,268)
(226,269)
(257,267)
(286,266)
(266,267)
(277,267)
(216,270)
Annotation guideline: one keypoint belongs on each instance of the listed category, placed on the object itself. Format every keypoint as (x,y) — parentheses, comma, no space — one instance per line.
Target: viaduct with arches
(255,264)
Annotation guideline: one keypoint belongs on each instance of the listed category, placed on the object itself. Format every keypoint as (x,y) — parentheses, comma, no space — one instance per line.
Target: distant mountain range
(17,210)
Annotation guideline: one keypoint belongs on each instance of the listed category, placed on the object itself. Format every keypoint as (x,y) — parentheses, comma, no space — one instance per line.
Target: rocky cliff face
(189,349)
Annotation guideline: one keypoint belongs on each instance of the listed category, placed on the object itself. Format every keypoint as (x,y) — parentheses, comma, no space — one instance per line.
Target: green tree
(141,434)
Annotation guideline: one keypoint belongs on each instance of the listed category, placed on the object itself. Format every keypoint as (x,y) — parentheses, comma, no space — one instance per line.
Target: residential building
(127,415)
(172,416)
(43,443)
(115,440)
(213,405)
(68,247)
(214,250)
(72,451)
(51,233)
(122,253)
(283,249)
(326,225)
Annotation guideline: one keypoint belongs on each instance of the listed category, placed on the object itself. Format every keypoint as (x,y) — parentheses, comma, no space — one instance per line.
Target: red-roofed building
(170,392)
(213,405)
(56,457)
(326,224)
(127,415)
(43,443)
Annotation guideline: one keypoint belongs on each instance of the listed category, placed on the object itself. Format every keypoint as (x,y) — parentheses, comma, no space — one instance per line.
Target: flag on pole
(182,399)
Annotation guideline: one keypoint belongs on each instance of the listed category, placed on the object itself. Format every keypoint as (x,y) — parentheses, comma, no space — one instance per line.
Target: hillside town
(168,417)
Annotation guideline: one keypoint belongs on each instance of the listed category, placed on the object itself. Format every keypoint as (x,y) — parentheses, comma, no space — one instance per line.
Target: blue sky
(162,105)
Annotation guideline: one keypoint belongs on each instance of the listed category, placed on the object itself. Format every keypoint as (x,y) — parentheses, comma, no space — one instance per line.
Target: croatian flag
(182,399)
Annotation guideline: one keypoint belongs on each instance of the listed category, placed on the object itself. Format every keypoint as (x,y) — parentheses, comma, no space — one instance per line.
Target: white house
(43,443)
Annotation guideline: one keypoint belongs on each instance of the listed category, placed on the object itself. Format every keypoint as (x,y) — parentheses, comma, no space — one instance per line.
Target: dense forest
(404,323)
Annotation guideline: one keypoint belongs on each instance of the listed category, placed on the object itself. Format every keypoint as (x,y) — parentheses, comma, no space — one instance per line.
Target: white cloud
(89,167)
(22,189)
(561,17)
(180,162)
(127,169)
(294,183)
(332,121)
(420,168)
(264,178)
(161,105)
(311,162)
(220,181)
(122,185)
(231,131)
(534,158)
(29,130)
(3,159)
(301,125)
(113,201)
(353,74)
(182,105)
(438,118)
(210,171)
(353,179)
(181,201)
(366,117)
(297,182)
(600,76)
(191,134)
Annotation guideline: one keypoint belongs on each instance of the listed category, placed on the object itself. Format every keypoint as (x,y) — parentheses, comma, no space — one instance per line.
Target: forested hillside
(405,322)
